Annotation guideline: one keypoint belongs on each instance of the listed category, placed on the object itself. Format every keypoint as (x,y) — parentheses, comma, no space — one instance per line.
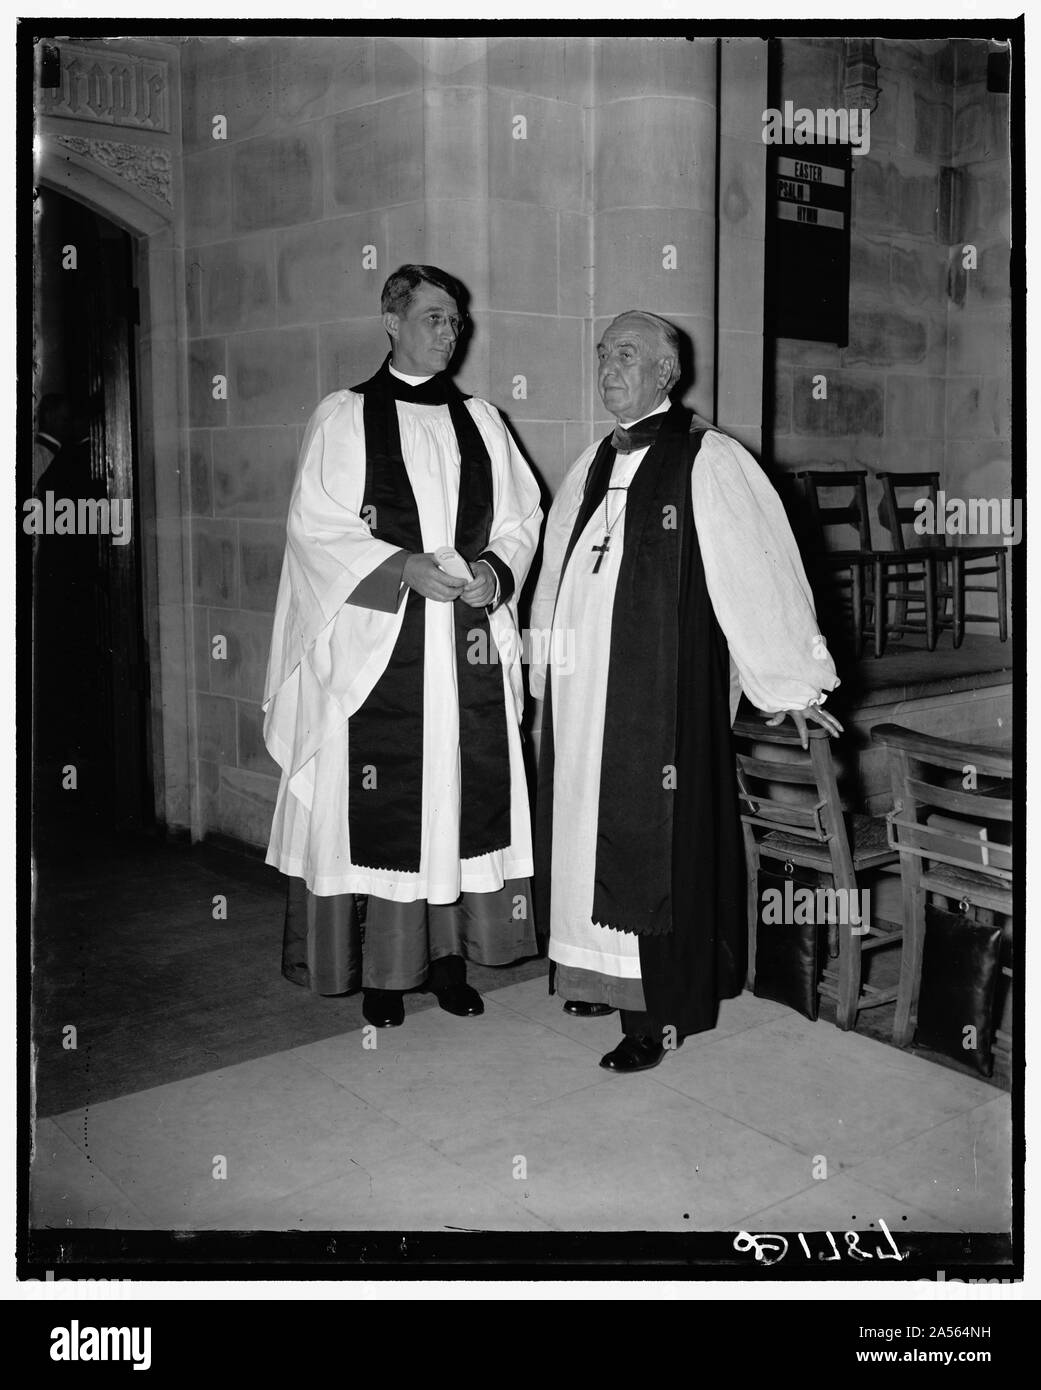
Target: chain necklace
(602,549)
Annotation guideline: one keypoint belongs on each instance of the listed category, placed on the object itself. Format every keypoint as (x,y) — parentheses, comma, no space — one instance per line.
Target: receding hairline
(667,336)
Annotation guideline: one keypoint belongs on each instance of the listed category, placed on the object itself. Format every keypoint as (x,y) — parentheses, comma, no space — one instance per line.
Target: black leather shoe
(383,1008)
(461,1000)
(578,1008)
(634,1054)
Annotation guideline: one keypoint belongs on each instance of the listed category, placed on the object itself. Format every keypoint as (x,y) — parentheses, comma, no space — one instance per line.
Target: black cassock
(669,857)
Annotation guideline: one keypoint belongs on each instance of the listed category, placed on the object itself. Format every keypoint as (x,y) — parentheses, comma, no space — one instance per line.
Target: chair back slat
(790,766)
(953,858)
(897,514)
(946,753)
(777,815)
(801,774)
(964,803)
(938,842)
(853,513)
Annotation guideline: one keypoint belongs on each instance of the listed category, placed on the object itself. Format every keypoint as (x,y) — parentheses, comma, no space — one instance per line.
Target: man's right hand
(423,574)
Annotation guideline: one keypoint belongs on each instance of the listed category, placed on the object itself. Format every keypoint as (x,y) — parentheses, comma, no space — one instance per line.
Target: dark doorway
(92,771)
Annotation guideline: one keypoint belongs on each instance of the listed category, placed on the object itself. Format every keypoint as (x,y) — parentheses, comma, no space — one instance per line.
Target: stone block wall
(978,450)
(653,177)
(885,389)
(922,384)
(562,180)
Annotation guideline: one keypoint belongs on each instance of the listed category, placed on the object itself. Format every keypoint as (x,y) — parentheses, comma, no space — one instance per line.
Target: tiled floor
(507,1123)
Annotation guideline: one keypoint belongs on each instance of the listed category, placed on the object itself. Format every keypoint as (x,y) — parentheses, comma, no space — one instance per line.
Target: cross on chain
(601,550)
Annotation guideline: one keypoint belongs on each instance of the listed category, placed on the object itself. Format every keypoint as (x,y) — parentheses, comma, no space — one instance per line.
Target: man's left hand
(480,591)
(799,718)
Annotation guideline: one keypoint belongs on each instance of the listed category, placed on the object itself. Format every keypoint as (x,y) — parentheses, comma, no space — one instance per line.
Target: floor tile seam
(912,1138)
(532,1105)
(109,1177)
(845,1172)
(550,1028)
(736,1119)
(511,1114)
(939,1215)
(150,1212)
(363,1099)
(526,1018)
(556,1032)
(592,1048)
(54,1116)
(364,1167)
(779,1139)
(925,1206)
(464,1174)
(263,1057)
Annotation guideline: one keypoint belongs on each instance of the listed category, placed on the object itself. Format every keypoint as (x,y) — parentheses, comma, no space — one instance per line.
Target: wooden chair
(791,813)
(970,866)
(947,568)
(876,578)
(844,568)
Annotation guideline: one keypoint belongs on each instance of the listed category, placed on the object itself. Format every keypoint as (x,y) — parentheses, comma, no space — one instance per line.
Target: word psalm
(75,1343)
(77,516)
(817,127)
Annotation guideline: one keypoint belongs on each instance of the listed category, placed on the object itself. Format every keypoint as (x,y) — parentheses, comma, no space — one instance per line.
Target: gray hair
(667,336)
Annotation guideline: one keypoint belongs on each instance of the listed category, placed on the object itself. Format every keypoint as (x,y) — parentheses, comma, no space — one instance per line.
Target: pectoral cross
(603,549)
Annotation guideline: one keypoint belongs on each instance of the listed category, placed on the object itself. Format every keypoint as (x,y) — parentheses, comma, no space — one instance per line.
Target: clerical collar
(438,389)
(630,439)
(658,410)
(412,380)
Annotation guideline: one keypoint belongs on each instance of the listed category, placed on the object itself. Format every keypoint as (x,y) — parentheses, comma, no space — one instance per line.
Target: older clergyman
(670,563)
(402,776)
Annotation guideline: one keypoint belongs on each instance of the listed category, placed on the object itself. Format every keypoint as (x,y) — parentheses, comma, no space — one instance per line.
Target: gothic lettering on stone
(146,166)
(112,88)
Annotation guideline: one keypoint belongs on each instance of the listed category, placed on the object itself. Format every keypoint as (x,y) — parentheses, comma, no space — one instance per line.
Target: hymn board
(809,198)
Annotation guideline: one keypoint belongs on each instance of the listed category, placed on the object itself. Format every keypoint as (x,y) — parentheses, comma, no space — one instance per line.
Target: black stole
(668,861)
(386,733)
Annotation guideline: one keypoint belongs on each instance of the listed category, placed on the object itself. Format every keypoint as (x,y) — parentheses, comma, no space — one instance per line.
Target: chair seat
(976,887)
(868,843)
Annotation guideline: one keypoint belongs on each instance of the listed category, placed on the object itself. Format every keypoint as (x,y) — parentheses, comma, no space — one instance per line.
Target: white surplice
(327,655)
(762,602)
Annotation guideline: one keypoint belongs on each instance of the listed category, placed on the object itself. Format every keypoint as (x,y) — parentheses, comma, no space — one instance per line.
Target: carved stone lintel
(861,74)
(147,167)
(121,89)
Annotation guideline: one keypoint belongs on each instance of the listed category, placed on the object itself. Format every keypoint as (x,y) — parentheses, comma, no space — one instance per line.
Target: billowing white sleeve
(326,655)
(329,547)
(756,581)
(517,502)
(559,526)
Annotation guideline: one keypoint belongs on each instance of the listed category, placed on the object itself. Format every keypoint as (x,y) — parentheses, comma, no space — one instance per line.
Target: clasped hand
(423,574)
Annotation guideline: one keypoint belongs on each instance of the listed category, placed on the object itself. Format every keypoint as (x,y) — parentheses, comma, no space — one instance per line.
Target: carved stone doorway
(91,723)
(107,135)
